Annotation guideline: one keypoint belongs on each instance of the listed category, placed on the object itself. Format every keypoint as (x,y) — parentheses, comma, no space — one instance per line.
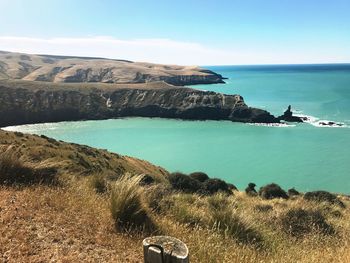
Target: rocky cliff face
(77,69)
(28,102)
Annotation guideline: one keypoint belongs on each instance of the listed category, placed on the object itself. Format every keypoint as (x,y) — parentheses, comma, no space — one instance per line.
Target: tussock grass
(15,171)
(225,218)
(300,222)
(74,223)
(127,206)
(99,183)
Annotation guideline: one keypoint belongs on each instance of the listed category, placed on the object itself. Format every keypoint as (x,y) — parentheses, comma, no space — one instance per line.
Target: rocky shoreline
(26,102)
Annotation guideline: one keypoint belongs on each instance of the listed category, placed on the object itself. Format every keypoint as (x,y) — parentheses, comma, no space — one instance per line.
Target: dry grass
(127,207)
(72,222)
(45,224)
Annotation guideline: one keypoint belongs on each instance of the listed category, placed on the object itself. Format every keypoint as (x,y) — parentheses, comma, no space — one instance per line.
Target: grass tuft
(299,222)
(127,207)
(14,171)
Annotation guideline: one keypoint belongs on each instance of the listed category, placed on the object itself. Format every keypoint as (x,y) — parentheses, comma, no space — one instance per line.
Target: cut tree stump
(164,249)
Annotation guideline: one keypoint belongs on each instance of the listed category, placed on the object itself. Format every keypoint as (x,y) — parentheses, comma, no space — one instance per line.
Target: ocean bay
(300,155)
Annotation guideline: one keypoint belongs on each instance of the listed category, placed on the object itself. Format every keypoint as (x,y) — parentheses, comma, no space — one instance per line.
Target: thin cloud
(165,51)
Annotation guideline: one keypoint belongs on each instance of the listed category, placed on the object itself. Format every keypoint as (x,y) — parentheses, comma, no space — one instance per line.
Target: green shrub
(293,192)
(127,208)
(199,176)
(215,185)
(250,190)
(183,182)
(300,222)
(271,191)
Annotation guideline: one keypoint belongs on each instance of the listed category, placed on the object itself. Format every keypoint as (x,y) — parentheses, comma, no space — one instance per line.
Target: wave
(279,125)
(318,122)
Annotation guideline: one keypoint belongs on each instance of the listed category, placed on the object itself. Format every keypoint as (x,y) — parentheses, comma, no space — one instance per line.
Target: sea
(307,156)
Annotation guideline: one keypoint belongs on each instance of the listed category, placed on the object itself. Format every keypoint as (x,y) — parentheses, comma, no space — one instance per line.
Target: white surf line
(320,123)
(277,125)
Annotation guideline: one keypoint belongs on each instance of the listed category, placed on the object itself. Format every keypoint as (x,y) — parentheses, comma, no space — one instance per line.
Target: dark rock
(271,191)
(288,116)
(330,123)
(323,196)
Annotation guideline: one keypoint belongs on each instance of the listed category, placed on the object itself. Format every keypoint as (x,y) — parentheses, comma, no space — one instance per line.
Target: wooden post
(164,249)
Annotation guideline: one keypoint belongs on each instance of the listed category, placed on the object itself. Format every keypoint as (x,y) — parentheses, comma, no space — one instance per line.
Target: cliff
(81,69)
(24,102)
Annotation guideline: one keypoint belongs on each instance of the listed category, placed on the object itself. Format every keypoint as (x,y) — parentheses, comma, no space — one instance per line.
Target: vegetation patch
(199,176)
(299,222)
(293,192)
(323,196)
(185,183)
(215,185)
(250,190)
(14,171)
(99,183)
(225,219)
(263,208)
(127,208)
(271,191)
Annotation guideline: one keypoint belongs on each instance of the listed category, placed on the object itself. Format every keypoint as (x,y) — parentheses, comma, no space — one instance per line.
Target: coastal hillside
(57,157)
(73,203)
(60,69)
(23,102)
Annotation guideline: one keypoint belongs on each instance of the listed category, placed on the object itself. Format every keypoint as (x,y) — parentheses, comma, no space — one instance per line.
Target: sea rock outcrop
(24,102)
(288,116)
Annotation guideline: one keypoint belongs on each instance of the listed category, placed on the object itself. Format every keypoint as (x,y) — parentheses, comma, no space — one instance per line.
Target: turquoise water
(302,156)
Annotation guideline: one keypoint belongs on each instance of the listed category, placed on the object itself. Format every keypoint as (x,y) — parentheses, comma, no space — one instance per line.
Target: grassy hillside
(97,207)
(84,69)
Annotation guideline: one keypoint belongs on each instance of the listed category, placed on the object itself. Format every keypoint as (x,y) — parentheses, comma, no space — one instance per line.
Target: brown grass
(72,222)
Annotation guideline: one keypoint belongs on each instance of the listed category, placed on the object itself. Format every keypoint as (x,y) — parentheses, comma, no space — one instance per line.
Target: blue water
(303,156)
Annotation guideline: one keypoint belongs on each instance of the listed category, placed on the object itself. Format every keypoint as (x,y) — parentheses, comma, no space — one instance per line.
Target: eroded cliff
(33,102)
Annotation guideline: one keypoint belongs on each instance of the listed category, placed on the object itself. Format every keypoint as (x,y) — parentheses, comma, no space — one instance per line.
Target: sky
(189,32)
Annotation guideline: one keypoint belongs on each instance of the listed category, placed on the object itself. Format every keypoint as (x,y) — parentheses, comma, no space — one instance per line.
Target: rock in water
(288,116)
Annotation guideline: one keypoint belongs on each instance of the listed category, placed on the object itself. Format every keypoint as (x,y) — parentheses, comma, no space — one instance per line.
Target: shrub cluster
(250,190)
(199,182)
(271,191)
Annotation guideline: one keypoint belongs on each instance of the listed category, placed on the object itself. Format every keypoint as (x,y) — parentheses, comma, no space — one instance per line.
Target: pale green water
(303,156)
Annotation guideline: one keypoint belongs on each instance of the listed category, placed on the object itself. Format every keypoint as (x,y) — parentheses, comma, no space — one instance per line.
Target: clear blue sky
(271,28)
